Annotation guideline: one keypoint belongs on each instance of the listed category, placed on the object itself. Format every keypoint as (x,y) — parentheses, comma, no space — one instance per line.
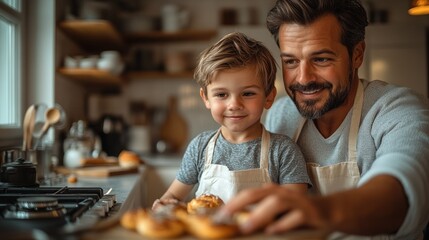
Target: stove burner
(35,207)
(37,202)
(57,211)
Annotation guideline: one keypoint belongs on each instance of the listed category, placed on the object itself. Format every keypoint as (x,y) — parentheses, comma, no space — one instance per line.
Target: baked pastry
(204,203)
(241,217)
(159,224)
(205,227)
(129,219)
(72,178)
(171,219)
(128,159)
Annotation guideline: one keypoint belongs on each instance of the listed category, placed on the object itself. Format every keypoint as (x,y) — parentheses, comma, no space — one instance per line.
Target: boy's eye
(220,95)
(247,94)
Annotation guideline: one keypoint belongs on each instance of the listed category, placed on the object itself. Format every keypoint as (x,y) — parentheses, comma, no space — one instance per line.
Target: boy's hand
(162,202)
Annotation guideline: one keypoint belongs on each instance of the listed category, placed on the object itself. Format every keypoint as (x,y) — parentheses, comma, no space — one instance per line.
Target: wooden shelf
(158,75)
(93,35)
(91,77)
(159,36)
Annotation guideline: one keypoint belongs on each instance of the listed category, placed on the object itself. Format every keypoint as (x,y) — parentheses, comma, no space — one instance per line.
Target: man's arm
(377,207)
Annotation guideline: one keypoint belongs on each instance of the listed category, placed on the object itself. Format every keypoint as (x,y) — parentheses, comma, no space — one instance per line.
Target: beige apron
(343,175)
(219,180)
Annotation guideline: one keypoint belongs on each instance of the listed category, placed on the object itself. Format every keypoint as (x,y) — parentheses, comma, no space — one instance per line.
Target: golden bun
(72,178)
(203,226)
(129,159)
(159,225)
(172,220)
(204,203)
(129,219)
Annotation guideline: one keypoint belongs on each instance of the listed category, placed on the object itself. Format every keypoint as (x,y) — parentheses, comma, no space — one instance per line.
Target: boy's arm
(177,191)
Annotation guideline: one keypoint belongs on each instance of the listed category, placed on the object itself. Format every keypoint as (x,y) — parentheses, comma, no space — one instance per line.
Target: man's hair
(350,14)
(236,50)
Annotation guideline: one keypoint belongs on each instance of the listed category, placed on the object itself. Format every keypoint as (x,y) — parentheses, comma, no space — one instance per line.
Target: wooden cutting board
(174,129)
(99,172)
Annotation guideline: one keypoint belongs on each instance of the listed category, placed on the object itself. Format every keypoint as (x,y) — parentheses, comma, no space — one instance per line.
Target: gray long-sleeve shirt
(393,139)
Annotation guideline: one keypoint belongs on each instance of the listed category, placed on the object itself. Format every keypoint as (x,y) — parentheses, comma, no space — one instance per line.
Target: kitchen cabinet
(98,35)
(399,59)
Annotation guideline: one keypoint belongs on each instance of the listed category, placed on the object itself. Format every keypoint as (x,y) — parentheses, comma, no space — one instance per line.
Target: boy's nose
(235,103)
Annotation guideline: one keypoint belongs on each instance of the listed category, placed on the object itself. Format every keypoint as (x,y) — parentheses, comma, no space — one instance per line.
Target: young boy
(236,76)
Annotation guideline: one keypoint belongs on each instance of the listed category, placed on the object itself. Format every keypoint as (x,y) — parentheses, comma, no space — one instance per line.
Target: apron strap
(210,148)
(265,146)
(355,122)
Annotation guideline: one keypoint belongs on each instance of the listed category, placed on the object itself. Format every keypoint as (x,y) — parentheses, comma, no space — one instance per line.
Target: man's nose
(305,73)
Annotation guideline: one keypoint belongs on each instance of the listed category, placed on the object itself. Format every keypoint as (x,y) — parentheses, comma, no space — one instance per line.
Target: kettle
(18,173)
(112,130)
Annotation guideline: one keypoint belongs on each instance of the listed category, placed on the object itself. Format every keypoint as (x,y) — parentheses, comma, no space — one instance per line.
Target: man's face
(317,71)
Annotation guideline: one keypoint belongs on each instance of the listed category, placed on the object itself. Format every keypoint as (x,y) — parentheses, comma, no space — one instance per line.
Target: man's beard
(308,109)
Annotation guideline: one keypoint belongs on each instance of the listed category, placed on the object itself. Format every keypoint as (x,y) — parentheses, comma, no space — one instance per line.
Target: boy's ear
(270,98)
(204,98)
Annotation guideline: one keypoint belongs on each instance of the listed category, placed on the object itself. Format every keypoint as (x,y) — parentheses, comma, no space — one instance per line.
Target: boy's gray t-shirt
(286,162)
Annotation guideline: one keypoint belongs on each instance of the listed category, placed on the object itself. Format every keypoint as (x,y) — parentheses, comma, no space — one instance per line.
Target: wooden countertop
(112,231)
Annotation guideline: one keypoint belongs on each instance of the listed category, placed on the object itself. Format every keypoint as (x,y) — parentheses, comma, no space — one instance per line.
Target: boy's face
(236,99)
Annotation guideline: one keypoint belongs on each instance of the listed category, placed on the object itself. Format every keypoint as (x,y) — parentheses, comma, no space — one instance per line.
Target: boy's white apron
(219,180)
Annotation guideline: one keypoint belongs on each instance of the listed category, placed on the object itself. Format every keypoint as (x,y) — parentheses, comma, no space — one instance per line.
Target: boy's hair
(236,50)
(350,14)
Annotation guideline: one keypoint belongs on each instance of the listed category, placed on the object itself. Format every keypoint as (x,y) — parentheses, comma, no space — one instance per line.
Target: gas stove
(55,211)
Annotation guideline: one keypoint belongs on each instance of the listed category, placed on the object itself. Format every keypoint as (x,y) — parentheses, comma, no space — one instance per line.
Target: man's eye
(322,60)
(290,62)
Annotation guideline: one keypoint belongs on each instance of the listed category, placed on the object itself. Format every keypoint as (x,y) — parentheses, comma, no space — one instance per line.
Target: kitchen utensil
(37,122)
(29,115)
(42,159)
(18,173)
(52,116)
(174,130)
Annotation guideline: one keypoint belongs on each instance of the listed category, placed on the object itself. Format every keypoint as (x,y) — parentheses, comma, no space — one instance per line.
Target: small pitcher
(174,18)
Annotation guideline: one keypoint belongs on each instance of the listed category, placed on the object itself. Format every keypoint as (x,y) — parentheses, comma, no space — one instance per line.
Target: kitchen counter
(121,185)
(118,232)
(132,191)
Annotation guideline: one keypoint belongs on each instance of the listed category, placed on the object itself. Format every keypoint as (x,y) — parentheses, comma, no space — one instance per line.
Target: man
(366,144)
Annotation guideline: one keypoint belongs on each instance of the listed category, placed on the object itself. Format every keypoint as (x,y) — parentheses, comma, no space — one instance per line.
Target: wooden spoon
(29,116)
(52,116)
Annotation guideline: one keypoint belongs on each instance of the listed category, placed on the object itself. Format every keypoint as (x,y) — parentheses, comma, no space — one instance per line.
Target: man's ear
(270,98)
(204,98)
(358,54)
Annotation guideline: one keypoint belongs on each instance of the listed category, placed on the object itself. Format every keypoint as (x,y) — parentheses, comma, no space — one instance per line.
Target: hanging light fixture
(419,7)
